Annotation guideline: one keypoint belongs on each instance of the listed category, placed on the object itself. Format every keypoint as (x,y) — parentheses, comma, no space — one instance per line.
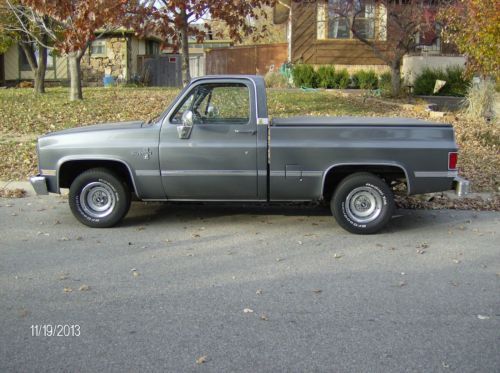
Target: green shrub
(304,76)
(365,79)
(326,77)
(456,83)
(342,79)
(275,80)
(354,81)
(385,84)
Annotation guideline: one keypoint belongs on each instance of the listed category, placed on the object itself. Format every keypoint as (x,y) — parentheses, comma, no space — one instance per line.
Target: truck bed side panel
(301,155)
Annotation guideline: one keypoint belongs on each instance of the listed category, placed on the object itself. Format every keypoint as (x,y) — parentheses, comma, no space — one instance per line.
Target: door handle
(250,132)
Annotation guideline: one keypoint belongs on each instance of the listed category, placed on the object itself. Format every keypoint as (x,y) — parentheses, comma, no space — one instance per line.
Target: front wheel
(99,198)
(362,203)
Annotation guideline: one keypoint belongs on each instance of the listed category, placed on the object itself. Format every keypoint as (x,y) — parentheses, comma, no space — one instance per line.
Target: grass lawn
(25,116)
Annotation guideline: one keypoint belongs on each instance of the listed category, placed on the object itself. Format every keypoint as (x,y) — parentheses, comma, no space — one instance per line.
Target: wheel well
(335,175)
(71,169)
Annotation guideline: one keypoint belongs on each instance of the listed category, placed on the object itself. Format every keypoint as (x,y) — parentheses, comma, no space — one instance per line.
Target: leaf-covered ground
(25,116)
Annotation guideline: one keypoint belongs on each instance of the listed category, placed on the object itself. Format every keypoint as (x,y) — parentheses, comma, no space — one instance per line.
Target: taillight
(452,160)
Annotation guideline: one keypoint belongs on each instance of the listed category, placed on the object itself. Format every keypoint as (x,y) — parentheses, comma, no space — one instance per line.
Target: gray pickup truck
(215,142)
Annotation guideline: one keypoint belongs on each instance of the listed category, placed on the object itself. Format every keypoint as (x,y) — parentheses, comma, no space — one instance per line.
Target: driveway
(222,288)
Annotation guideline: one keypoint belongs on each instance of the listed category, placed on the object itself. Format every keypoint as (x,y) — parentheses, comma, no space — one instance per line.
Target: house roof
(121,31)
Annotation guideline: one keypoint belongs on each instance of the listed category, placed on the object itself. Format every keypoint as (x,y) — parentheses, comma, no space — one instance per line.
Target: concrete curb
(30,192)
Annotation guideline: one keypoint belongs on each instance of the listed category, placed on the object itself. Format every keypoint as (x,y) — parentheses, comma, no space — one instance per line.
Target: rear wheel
(99,198)
(362,203)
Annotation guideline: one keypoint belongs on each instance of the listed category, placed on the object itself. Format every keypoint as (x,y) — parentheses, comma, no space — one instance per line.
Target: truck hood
(98,128)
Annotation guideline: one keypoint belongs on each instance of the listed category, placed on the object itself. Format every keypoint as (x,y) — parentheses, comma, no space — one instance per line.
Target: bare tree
(21,26)
(400,22)
(176,21)
(72,25)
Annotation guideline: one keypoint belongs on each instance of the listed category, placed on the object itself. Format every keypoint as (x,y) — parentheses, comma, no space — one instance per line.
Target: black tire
(362,203)
(99,198)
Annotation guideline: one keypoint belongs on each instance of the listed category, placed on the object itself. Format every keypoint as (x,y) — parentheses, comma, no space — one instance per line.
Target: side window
(216,103)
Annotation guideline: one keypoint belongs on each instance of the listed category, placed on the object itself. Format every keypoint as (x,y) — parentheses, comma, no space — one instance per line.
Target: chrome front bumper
(461,186)
(39,184)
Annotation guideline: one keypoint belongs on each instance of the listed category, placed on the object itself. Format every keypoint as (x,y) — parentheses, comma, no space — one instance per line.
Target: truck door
(208,143)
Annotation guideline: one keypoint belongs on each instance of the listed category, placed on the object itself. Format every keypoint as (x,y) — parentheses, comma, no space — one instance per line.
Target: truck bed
(352,121)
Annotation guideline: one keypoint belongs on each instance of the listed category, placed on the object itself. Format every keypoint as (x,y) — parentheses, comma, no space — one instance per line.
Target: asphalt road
(171,285)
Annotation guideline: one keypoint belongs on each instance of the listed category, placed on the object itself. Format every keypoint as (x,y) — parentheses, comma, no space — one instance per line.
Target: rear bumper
(461,186)
(39,184)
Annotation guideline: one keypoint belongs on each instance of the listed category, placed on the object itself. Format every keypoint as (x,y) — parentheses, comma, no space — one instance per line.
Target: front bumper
(39,184)
(461,186)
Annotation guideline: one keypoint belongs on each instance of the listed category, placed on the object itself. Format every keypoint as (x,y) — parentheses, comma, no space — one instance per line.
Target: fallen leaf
(64,276)
(337,256)
(68,290)
(263,317)
(84,288)
(201,360)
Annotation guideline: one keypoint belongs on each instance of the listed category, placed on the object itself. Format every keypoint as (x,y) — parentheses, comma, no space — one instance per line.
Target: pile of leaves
(12,193)
(438,201)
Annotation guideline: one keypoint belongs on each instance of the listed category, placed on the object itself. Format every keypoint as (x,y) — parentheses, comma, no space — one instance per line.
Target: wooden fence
(253,59)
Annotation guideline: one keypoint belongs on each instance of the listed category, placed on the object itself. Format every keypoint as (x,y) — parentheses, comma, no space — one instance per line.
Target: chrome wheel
(97,199)
(363,205)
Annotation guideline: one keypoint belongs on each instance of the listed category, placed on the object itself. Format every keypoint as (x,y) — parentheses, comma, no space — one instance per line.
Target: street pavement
(222,288)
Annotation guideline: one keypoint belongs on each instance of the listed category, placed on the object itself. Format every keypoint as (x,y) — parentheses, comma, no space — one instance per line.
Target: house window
(152,48)
(25,65)
(335,18)
(98,48)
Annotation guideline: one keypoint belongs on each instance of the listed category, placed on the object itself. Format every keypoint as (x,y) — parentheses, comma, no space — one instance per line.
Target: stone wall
(113,62)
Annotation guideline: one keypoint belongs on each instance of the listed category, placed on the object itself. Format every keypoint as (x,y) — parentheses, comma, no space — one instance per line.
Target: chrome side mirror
(184,130)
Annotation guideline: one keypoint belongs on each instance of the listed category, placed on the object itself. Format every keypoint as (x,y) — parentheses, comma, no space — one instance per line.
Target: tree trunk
(75,73)
(186,74)
(38,67)
(39,73)
(395,79)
